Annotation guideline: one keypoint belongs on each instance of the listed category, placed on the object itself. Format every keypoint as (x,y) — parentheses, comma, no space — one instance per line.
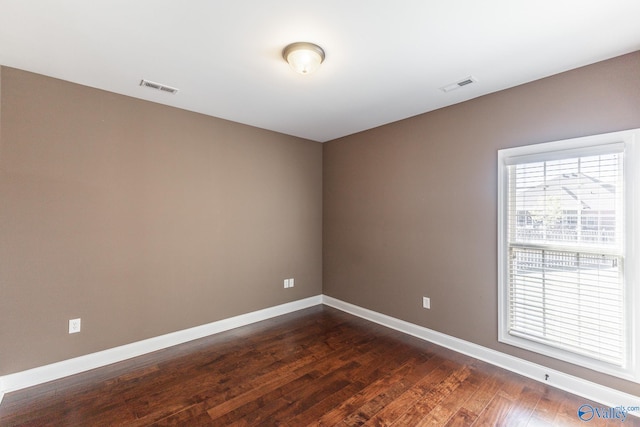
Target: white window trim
(631,140)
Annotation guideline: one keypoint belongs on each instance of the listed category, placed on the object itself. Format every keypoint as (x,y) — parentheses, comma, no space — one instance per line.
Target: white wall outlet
(426,302)
(286,283)
(74,326)
(291,282)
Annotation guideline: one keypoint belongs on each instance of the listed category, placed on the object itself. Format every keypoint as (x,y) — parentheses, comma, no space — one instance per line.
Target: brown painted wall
(142,219)
(410,209)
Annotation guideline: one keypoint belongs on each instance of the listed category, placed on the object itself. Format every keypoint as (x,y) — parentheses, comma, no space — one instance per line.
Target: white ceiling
(385,60)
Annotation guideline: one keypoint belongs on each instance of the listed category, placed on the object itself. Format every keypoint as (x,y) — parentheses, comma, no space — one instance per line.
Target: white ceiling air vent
(158,86)
(457,85)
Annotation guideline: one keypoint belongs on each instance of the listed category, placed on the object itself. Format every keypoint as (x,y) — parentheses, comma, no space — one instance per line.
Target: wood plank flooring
(318,367)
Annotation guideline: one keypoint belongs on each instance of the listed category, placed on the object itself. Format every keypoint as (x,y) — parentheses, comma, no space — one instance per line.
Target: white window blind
(565,252)
(569,250)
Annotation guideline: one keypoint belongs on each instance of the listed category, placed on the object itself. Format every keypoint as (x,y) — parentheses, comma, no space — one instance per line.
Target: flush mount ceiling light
(303,57)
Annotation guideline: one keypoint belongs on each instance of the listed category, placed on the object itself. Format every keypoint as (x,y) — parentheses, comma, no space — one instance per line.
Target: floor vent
(158,86)
(457,85)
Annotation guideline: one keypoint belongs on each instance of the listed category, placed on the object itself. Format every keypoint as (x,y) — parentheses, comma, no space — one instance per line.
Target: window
(567,230)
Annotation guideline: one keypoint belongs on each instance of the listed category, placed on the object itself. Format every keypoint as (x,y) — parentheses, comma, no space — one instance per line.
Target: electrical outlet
(291,282)
(286,283)
(74,326)
(426,302)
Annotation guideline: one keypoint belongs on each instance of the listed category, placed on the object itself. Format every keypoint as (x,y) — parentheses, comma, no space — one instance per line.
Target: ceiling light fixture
(303,57)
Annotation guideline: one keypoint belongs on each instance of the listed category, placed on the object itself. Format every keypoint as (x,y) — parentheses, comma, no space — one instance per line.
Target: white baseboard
(589,390)
(42,374)
(578,386)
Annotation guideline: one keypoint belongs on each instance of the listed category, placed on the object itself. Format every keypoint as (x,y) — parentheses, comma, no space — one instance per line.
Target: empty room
(331,213)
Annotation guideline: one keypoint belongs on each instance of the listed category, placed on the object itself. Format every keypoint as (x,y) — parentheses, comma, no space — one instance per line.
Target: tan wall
(410,209)
(142,219)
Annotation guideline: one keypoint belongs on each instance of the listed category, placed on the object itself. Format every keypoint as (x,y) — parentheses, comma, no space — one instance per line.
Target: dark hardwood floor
(318,366)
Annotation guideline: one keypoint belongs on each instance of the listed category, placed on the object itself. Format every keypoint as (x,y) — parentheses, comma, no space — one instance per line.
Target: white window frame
(630,370)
